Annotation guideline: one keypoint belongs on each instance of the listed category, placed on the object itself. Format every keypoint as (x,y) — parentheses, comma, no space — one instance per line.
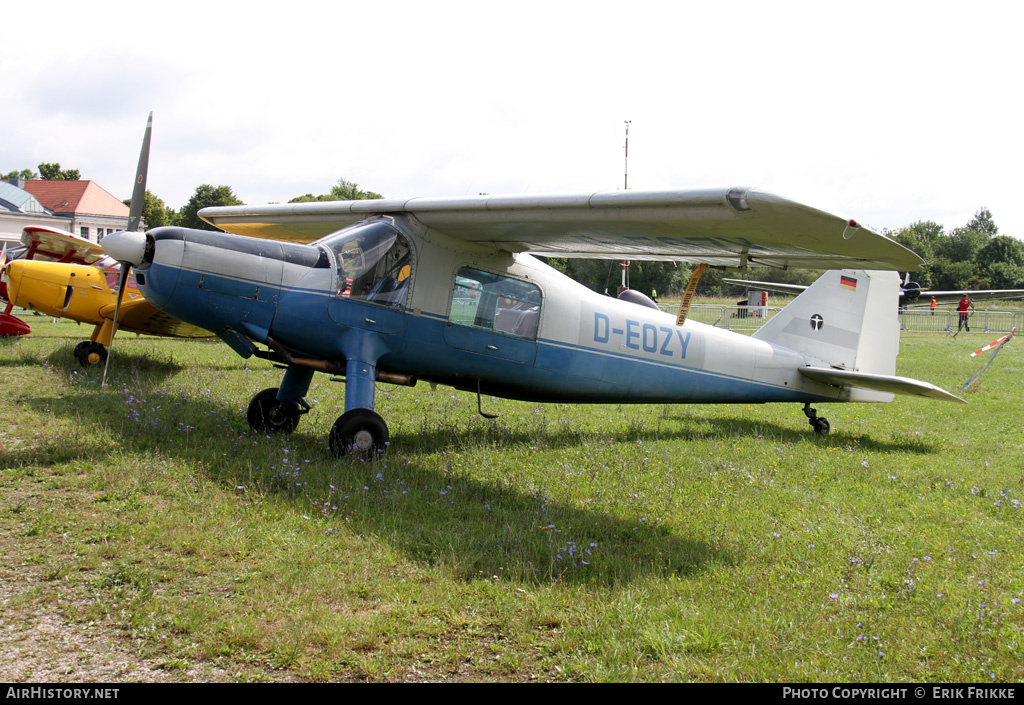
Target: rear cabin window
(496,303)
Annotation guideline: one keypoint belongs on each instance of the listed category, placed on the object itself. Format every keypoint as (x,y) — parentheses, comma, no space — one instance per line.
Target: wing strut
(684,306)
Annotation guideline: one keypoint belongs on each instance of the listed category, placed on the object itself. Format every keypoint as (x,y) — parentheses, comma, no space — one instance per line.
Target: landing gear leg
(820,425)
(359,430)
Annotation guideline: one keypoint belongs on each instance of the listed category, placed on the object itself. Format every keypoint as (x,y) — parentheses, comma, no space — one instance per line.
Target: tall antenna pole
(625,183)
(625,186)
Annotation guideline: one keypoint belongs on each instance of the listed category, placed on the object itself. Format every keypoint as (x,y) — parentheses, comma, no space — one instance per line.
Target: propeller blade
(134,219)
(122,282)
(139,190)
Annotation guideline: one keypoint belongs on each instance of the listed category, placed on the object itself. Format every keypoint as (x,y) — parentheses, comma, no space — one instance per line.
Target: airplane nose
(126,246)
(12,279)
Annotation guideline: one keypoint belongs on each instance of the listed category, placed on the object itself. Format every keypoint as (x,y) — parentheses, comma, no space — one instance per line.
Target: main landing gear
(268,415)
(90,353)
(357,431)
(820,425)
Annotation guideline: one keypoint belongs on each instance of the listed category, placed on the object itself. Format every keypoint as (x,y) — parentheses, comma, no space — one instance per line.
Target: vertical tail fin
(847,320)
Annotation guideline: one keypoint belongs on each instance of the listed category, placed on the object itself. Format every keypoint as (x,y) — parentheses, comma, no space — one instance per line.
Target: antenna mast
(625,186)
(625,183)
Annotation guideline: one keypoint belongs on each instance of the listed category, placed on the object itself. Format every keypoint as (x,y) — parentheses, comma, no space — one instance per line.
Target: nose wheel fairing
(12,325)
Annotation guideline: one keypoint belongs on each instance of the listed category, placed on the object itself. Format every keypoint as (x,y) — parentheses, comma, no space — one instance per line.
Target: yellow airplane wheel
(90,353)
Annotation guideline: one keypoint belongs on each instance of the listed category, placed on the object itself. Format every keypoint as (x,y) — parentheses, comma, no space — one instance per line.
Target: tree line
(155,213)
(972,256)
(47,172)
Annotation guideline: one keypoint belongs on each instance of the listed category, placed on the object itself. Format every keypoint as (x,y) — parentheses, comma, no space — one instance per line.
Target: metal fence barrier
(739,318)
(948,321)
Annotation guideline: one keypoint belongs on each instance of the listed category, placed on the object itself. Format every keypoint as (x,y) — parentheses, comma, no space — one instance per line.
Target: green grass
(604,543)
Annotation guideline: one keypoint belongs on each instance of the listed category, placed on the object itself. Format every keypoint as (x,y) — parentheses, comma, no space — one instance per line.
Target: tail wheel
(359,431)
(819,424)
(268,415)
(89,353)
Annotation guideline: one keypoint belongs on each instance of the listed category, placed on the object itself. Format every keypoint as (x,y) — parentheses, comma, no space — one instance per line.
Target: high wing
(140,316)
(730,227)
(46,243)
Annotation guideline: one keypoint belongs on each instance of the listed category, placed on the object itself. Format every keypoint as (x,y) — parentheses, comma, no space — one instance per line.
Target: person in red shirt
(965,303)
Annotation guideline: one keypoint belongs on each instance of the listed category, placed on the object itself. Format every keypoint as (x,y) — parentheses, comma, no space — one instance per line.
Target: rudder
(847,319)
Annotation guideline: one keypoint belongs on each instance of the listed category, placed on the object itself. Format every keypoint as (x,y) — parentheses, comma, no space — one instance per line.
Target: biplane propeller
(9,323)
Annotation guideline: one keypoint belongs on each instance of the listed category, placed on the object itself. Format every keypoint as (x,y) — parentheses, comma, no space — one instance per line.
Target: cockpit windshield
(374,263)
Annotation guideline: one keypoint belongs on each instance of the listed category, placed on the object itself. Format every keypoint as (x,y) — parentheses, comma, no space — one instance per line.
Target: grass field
(147,534)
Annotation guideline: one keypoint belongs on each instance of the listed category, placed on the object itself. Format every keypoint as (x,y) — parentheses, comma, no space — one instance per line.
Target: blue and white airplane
(444,290)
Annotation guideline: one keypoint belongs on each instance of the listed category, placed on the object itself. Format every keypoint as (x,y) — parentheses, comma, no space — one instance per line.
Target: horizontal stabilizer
(794,289)
(881,383)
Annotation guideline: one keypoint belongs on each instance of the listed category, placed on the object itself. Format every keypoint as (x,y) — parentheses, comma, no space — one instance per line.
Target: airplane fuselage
(75,291)
(547,338)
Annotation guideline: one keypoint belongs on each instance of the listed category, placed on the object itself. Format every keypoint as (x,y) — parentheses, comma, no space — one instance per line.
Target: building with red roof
(19,209)
(92,211)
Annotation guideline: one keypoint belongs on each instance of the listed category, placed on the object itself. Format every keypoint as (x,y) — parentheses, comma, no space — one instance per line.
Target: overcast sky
(887,112)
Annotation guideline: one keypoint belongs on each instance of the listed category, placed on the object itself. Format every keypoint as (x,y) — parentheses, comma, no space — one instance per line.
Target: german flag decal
(848,283)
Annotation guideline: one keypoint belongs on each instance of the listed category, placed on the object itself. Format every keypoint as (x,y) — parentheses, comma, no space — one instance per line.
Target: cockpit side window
(495,302)
(374,263)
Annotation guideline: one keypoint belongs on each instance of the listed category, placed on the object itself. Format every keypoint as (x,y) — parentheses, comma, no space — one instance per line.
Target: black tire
(821,426)
(268,415)
(359,431)
(89,353)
